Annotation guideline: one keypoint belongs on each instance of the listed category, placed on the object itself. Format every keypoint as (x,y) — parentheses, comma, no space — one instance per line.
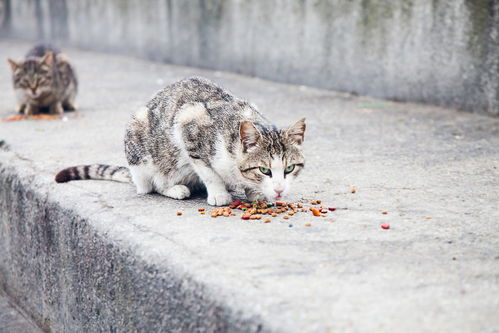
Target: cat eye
(289,168)
(265,171)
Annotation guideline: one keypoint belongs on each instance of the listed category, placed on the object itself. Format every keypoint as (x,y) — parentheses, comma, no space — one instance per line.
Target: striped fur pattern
(44,80)
(94,171)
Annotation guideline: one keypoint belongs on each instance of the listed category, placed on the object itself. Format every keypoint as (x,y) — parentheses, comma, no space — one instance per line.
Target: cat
(44,79)
(193,134)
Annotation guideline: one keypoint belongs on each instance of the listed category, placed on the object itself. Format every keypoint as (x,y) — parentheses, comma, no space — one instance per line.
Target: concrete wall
(434,51)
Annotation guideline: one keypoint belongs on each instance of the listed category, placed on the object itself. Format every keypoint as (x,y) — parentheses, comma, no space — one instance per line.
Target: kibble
(315,211)
(384,212)
(385,226)
(179,213)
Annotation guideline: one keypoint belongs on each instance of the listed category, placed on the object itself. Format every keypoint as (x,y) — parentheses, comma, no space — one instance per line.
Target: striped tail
(94,171)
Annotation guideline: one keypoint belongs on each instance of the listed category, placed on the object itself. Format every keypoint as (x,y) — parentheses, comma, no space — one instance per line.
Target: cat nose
(278,191)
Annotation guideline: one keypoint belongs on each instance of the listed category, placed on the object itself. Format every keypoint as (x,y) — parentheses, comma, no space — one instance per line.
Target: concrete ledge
(93,256)
(72,277)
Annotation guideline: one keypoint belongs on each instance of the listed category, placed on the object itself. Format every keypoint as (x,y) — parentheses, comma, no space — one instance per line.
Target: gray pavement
(434,170)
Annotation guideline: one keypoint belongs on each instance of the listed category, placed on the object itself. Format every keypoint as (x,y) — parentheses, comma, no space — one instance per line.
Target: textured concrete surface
(11,321)
(93,256)
(441,52)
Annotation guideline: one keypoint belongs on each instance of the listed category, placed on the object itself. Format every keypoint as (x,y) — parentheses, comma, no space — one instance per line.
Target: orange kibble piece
(285,217)
(304,210)
(300,205)
(232,214)
(280,203)
(428,218)
(179,213)
(274,214)
(225,214)
(291,213)
(308,224)
(384,212)
(267,220)
(353,190)
(315,211)
(318,201)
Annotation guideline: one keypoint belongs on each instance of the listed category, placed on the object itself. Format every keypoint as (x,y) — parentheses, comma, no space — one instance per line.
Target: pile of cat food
(259,210)
(34,117)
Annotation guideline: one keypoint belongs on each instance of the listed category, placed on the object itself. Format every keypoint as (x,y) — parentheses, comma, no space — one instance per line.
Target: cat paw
(219,198)
(178,192)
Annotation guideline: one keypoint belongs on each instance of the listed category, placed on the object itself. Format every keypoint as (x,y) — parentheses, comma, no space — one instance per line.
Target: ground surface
(416,162)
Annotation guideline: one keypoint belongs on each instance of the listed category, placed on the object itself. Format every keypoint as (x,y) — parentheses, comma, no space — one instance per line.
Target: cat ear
(296,132)
(48,58)
(249,135)
(13,64)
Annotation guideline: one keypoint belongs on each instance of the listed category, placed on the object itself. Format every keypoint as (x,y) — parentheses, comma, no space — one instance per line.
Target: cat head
(271,158)
(34,76)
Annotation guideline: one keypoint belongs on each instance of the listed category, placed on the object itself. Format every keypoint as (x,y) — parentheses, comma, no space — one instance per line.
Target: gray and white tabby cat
(194,134)
(44,79)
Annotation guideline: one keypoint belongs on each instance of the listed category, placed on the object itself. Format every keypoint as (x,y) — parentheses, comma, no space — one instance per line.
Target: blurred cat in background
(44,80)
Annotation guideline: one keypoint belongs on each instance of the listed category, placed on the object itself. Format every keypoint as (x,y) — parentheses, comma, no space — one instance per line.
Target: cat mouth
(278,197)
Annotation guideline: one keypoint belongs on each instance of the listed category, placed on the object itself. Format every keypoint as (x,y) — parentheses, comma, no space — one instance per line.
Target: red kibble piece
(332,209)
(245,217)
(385,226)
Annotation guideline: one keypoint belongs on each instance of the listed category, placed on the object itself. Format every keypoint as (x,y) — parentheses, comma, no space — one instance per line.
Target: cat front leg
(215,186)
(56,108)
(20,108)
(31,110)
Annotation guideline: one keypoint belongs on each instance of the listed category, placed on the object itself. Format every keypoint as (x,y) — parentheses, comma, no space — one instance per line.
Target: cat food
(308,224)
(179,213)
(385,226)
(34,117)
(384,212)
(258,209)
(353,190)
(315,211)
